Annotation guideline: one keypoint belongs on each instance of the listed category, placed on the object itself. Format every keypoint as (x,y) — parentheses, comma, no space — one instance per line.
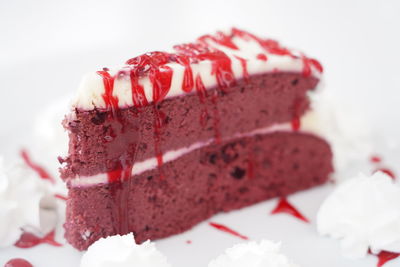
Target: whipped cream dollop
(122,251)
(21,195)
(344,127)
(363,212)
(252,254)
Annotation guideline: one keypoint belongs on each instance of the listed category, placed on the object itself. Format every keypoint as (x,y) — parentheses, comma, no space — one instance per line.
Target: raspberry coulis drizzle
(228,230)
(18,262)
(43,174)
(29,240)
(284,206)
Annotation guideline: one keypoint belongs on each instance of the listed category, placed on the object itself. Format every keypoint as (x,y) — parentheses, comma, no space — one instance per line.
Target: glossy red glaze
(228,230)
(285,207)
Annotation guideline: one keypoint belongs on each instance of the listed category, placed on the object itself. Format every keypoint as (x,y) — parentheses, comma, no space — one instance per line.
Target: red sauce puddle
(228,230)
(29,240)
(285,207)
(36,167)
(384,257)
(18,262)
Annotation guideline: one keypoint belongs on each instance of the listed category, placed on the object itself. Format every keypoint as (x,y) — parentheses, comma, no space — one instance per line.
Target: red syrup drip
(62,197)
(18,262)
(110,100)
(285,207)
(243,63)
(29,240)
(387,171)
(262,57)
(296,122)
(228,230)
(375,159)
(120,194)
(43,174)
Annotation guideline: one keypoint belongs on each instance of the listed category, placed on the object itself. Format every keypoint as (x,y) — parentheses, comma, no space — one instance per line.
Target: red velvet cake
(172,138)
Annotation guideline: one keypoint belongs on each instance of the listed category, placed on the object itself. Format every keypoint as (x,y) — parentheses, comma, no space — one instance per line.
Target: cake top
(212,60)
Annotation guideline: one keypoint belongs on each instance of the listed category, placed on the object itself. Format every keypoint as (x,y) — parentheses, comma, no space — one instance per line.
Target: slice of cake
(172,138)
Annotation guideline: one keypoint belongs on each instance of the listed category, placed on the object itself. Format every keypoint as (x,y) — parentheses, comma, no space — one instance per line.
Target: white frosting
(21,194)
(253,254)
(151,163)
(363,212)
(92,88)
(122,251)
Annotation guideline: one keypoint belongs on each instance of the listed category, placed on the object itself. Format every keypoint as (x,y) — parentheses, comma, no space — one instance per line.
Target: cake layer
(208,180)
(105,140)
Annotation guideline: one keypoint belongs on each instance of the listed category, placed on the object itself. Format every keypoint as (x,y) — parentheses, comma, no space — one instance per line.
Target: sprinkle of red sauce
(36,167)
(262,57)
(386,256)
(18,262)
(228,230)
(62,197)
(285,207)
(29,240)
(375,159)
(189,242)
(387,171)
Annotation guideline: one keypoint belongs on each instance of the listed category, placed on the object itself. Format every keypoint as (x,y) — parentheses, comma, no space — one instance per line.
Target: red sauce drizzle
(296,122)
(387,171)
(221,39)
(29,240)
(18,262)
(376,159)
(262,57)
(62,197)
(37,168)
(228,230)
(285,207)
(386,256)
(243,62)
(110,100)
(188,242)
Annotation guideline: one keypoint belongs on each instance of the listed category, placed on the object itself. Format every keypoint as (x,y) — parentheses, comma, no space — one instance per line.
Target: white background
(46,46)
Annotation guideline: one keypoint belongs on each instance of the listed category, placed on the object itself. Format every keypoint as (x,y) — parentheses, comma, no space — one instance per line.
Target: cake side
(206,181)
(101,142)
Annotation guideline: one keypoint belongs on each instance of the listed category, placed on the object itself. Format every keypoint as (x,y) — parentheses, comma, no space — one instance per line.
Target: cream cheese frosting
(247,54)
